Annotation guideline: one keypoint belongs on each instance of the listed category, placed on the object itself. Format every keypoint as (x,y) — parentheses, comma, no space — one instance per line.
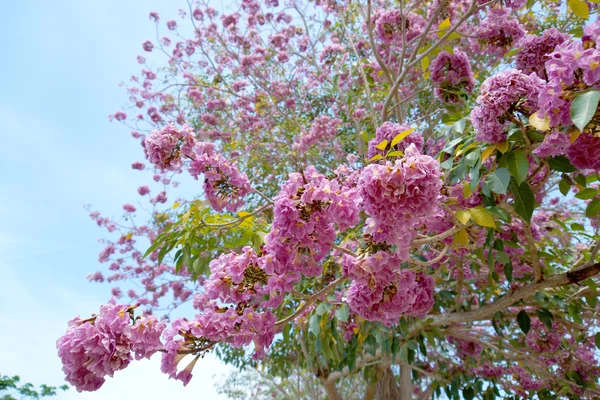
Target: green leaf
(587,194)
(498,180)
(597,340)
(314,324)
(585,105)
(592,208)
(342,313)
(564,187)
(524,199)
(524,321)
(459,126)
(545,316)
(518,164)
(561,163)
(508,271)
(371,345)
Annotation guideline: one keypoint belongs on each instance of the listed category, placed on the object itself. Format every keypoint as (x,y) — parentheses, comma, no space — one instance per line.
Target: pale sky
(61,64)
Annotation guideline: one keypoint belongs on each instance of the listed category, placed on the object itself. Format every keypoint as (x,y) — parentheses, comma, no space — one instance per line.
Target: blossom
(164,147)
(498,32)
(388,131)
(584,153)
(322,130)
(390,25)
(147,45)
(305,212)
(129,208)
(101,345)
(224,185)
(555,143)
(534,49)
(171,25)
(403,293)
(498,94)
(397,195)
(453,76)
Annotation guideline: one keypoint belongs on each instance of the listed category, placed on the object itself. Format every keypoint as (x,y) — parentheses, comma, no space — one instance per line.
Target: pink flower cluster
(165,147)
(534,49)
(388,131)
(498,32)
(224,185)
(499,96)
(305,212)
(99,346)
(397,196)
(584,153)
(382,291)
(453,76)
(391,25)
(322,131)
(217,325)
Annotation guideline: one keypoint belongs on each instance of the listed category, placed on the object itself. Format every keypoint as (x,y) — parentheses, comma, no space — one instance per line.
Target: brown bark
(387,388)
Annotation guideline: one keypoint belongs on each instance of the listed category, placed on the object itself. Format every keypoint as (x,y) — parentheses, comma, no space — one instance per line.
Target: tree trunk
(387,388)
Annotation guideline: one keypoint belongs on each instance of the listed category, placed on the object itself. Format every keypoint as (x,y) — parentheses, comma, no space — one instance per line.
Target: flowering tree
(405,190)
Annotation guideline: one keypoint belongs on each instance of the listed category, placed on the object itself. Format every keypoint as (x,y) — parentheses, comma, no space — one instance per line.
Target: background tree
(12,389)
(402,190)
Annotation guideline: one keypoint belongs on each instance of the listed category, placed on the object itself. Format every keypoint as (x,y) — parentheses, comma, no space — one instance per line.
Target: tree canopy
(400,195)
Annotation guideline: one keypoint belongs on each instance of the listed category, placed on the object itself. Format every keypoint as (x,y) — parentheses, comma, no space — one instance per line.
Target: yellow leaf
(176,205)
(444,26)
(503,147)
(463,216)
(579,8)
(382,145)
(425,63)
(575,133)
(426,75)
(400,137)
(454,35)
(395,153)
(467,190)
(376,157)
(483,217)
(487,153)
(242,214)
(128,236)
(542,124)
(461,237)
(464,150)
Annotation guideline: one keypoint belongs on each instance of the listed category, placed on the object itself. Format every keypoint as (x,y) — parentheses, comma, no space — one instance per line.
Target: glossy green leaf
(524,321)
(498,180)
(524,199)
(584,106)
(592,208)
(518,164)
(561,163)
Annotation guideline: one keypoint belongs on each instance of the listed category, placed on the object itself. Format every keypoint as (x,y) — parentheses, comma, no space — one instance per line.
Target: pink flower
(147,45)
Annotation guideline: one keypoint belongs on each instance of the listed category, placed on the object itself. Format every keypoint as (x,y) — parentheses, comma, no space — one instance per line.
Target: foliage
(11,386)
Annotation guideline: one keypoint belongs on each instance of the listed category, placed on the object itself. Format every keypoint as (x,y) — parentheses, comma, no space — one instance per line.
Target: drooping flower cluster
(396,196)
(382,291)
(224,185)
(322,131)
(99,346)
(165,147)
(584,153)
(555,143)
(501,95)
(453,76)
(533,51)
(392,25)
(498,32)
(388,131)
(305,214)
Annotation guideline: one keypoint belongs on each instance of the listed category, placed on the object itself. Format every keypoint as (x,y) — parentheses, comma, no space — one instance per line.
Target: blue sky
(61,64)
